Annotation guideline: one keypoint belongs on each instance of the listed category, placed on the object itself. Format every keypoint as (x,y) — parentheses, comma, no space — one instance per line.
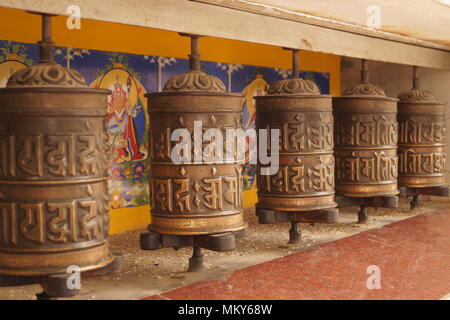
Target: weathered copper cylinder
(195,197)
(54,205)
(305,178)
(421,146)
(366,141)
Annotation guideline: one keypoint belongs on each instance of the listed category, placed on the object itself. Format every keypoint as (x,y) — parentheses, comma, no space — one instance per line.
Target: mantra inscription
(367,130)
(43,202)
(161,145)
(419,131)
(300,178)
(49,156)
(47,223)
(377,166)
(421,149)
(303,134)
(421,163)
(188,194)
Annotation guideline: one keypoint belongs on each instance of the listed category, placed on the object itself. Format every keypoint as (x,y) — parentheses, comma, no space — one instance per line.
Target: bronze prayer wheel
(366,141)
(305,177)
(421,146)
(54,204)
(196,196)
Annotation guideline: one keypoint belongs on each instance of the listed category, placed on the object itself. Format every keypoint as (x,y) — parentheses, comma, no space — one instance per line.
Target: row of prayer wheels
(54,204)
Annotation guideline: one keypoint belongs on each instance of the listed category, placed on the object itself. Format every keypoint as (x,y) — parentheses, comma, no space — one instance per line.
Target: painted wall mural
(130,77)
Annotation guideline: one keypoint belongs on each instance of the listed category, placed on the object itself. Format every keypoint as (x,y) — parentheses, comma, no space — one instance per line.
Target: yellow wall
(23,27)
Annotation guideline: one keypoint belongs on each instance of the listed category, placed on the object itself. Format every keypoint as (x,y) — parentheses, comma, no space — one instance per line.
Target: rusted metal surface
(54,205)
(305,179)
(366,141)
(194,198)
(421,146)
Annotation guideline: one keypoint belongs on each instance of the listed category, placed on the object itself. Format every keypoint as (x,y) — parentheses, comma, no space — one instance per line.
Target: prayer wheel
(366,141)
(202,193)
(54,204)
(421,145)
(304,181)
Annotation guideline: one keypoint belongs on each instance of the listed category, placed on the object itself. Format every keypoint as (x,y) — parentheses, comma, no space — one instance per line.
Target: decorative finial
(416,94)
(46,73)
(295,85)
(364,88)
(195,80)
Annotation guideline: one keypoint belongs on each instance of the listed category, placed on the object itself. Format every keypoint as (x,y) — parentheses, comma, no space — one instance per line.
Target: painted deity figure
(122,125)
(257,87)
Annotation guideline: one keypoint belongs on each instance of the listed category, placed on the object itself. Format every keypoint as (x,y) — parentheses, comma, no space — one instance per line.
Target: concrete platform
(411,248)
(411,259)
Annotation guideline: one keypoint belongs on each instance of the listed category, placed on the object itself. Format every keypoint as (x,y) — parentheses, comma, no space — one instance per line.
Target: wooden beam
(418,22)
(200,18)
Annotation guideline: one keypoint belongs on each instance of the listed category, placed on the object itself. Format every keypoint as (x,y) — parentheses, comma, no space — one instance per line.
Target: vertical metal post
(415,77)
(196,261)
(364,71)
(295,235)
(46,44)
(194,57)
(295,63)
(362,215)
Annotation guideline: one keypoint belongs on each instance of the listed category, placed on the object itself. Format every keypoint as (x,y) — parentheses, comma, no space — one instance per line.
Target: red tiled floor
(413,255)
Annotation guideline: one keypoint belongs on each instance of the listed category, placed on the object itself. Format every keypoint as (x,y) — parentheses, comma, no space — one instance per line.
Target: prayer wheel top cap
(46,75)
(364,88)
(194,81)
(295,86)
(416,94)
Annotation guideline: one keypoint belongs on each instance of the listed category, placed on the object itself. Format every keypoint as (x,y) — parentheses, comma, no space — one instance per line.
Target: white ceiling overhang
(410,32)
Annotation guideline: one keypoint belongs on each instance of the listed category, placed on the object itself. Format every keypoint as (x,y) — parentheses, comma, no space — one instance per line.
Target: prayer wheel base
(56,285)
(219,242)
(269,216)
(196,261)
(375,202)
(295,234)
(440,191)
